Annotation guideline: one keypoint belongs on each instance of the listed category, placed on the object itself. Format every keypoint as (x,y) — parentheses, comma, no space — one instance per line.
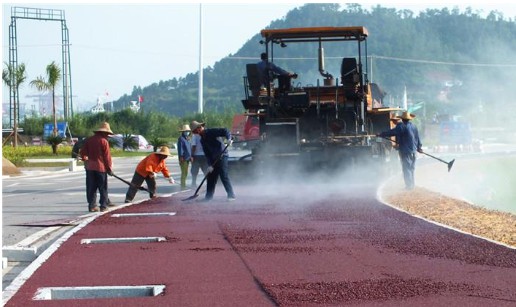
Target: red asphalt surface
(290,247)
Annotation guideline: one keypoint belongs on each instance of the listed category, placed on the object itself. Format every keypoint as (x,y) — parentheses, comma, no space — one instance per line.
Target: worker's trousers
(96,181)
(136,183)
(408,165)
(219,169)
(199,162)
(183,165)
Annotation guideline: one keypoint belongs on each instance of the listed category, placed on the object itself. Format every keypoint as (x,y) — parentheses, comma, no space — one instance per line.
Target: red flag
(140,98)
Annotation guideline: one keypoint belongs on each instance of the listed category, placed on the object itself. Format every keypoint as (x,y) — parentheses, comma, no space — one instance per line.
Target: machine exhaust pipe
(328,78)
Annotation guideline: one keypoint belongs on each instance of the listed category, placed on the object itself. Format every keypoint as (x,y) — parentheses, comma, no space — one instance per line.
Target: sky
(116,46)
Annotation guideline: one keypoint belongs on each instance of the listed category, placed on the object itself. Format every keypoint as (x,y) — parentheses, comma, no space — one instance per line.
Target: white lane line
(11,185)
(16,284)
(37,236)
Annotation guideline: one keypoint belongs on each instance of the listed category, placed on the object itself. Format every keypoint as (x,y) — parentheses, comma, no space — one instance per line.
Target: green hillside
(456,62)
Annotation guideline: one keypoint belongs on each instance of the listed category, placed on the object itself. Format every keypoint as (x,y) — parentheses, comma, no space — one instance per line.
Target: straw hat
(186,128)
(196,124)
(407,115)
(104,127)
(164,151)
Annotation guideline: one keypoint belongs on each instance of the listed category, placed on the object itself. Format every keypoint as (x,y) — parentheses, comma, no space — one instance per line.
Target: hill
(456,62)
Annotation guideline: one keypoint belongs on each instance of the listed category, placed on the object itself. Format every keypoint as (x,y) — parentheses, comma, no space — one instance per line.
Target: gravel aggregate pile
(491,224)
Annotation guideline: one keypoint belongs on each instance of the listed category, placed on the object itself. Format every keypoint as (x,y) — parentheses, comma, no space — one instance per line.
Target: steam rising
(295,184)
(484,180)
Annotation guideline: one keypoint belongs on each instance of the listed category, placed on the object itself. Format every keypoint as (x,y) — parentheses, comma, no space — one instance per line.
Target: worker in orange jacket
(153,163)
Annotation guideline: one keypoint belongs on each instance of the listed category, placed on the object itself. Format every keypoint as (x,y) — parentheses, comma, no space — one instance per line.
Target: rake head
(191,197)
(450,164)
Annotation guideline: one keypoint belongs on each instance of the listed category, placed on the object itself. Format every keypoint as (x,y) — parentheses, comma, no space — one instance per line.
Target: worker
(184,153)
(96,155)
(145,171)
(198,158)
(217,157)
(268,71)
(407,138)
(75,155)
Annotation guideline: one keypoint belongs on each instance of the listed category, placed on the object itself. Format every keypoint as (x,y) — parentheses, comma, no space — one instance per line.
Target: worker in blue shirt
(217,157)
(269,71)
(184,153)
(407,138)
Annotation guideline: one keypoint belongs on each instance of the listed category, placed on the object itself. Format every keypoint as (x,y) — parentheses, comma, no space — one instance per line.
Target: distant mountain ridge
(424,54)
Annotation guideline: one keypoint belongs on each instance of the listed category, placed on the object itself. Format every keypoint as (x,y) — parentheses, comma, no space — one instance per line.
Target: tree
(53,77)
(157,142)
(54,141)
(129,142)
(13,78)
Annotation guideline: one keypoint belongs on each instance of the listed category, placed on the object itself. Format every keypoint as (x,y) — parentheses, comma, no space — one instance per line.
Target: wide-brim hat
(185,128)
(104,127)
(407,115)
(164,151)
(196,124)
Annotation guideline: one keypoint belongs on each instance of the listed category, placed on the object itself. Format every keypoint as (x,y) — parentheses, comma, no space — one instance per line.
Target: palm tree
(13,78)
(157,142)
(53,77)
(129,142)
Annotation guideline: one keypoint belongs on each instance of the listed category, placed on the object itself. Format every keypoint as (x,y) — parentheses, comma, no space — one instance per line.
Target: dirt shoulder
(8,168)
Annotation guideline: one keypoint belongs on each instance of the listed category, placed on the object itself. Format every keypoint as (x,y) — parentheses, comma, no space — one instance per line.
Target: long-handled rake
(450,164)
(123,180)
(130,184)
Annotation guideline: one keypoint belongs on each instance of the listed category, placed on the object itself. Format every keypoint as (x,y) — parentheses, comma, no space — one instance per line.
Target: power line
(287,58)
(440,62)
(388,58)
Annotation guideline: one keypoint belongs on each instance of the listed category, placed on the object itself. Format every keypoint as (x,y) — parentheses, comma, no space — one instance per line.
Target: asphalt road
(40,205)
(41,198)
(287,244)
(55,201)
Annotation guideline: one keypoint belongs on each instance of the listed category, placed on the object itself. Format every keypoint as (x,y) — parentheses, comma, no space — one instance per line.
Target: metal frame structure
(359,34)
(47,15)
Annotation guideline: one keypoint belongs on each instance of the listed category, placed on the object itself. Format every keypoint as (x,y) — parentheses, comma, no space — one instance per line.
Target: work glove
(110,173)
(171,180)
(210,169)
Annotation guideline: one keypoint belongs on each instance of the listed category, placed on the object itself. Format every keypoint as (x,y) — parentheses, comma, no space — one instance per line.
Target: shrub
(157,142)
(54,141)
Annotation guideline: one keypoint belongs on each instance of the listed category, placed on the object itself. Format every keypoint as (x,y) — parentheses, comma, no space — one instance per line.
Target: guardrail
(72,163)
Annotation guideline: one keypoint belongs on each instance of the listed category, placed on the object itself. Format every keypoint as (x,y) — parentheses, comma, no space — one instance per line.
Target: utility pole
(200,99)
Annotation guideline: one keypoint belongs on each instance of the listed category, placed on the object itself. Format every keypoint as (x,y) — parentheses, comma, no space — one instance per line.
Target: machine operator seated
(268,71)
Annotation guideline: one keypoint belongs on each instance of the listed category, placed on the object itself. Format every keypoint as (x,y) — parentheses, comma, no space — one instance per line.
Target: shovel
(206,176)
(130,184)
(198,188)
(450,164)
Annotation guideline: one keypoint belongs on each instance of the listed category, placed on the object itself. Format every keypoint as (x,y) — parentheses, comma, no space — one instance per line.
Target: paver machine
(330,122)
